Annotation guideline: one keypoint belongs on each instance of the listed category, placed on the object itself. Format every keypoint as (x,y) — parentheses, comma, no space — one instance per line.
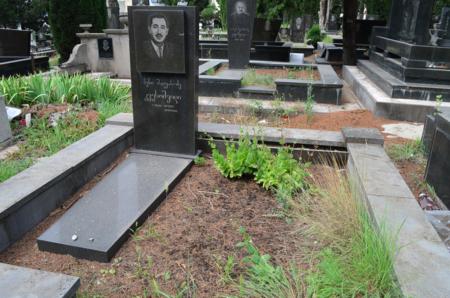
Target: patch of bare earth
(190,235)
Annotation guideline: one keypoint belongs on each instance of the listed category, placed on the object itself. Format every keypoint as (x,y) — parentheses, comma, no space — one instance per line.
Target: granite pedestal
(5,129)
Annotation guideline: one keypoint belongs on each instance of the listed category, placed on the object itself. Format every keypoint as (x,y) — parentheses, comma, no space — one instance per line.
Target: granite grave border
(326,90)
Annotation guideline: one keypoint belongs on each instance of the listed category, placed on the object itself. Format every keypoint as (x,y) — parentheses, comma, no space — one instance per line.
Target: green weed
(411,150)
(279,172)
(309,105)
(251,78)
(262,278)
(200,161)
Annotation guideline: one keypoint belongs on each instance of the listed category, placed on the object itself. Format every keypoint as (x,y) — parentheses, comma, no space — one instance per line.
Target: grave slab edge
(421,245)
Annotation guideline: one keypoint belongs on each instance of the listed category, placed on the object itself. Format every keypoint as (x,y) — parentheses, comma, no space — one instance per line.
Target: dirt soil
(189,237)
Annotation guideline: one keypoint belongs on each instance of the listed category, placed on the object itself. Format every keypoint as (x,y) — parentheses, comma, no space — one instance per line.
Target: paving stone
(362,135)
(102,219)
(440,219)
(18,282)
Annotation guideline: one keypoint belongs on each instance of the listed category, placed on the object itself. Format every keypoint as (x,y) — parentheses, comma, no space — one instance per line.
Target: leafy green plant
(262,278)
(314,35)
(256,107)
(200,161)
(208,13)
(279,172)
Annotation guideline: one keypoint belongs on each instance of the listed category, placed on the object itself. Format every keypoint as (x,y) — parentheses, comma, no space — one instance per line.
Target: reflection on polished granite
(96,226)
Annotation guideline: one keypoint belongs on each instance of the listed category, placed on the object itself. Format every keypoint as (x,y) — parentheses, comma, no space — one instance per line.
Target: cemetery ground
(194,244)
(190,244)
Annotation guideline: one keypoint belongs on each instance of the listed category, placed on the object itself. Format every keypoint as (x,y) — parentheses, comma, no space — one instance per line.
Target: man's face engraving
(158,30)
(241,8)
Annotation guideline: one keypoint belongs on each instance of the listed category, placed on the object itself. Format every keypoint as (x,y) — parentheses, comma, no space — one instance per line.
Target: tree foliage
(93,12)
(64,25)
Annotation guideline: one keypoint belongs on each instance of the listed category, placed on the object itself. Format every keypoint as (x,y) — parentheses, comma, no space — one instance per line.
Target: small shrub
(314,35)
(200,161)
(279,172)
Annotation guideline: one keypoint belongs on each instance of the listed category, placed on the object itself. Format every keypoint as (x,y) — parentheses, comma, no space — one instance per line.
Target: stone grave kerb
(164,76)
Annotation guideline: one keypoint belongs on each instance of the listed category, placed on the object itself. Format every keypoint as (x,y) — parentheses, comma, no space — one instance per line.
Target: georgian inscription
(164,94)
(239,34)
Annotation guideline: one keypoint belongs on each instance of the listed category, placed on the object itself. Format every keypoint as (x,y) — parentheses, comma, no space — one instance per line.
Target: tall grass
(251,78)
(356,259)
(61,88)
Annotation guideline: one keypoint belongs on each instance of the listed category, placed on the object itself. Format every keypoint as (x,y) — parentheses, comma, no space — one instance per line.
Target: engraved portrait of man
(158,47)
(240,9)
(298,23)
(160,41)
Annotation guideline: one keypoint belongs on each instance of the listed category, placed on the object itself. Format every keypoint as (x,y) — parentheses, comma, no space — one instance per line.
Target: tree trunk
(328,14)
(349,31)
(323,14)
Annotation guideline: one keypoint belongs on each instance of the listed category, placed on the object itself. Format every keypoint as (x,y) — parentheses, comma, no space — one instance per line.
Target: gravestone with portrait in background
(164,77)
(298,29)
(240,16)
(105,48)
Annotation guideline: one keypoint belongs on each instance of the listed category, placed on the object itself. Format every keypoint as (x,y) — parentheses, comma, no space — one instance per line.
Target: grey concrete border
(30,196)
(293,136)
(326,90)
(375,100)
(423,261)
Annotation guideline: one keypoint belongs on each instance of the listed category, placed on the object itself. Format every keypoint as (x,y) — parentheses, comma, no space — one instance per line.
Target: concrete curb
(30,196)
(423,261)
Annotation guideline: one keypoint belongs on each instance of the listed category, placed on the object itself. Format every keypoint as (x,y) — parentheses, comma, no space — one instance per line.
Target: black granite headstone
(14,42)
(164,84)
(438,167)
(113,14)
(444,27)
(298,30)
(332,24)
(105,48)
(410,20)
(308,21)
(241,14)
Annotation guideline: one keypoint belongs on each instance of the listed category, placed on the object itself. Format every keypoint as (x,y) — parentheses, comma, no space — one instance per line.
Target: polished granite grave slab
(96,226)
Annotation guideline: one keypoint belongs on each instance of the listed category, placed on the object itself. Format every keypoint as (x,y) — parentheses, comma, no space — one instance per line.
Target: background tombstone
(409,20)
(298,30)
(241,14)
(105,48)
(308,20)
(164,85)
(5,129)
(113,14)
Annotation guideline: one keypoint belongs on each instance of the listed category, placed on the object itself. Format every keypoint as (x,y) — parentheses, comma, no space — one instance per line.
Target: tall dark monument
(164,76)
(408,59)
(410,20)
(298,29)
(164,72)
(241,15)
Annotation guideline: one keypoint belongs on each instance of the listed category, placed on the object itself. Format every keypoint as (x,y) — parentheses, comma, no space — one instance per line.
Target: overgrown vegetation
(354,259)
(279,172)
(314,35)
(262,278)
(411,150)
(251,78)
(45,136)
(309,105)
(57,89)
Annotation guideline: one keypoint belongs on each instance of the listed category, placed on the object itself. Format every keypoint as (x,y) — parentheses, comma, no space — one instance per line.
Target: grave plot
(263,80)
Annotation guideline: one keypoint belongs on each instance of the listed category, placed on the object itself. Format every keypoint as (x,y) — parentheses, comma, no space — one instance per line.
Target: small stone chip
(74,237)
(91,239)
